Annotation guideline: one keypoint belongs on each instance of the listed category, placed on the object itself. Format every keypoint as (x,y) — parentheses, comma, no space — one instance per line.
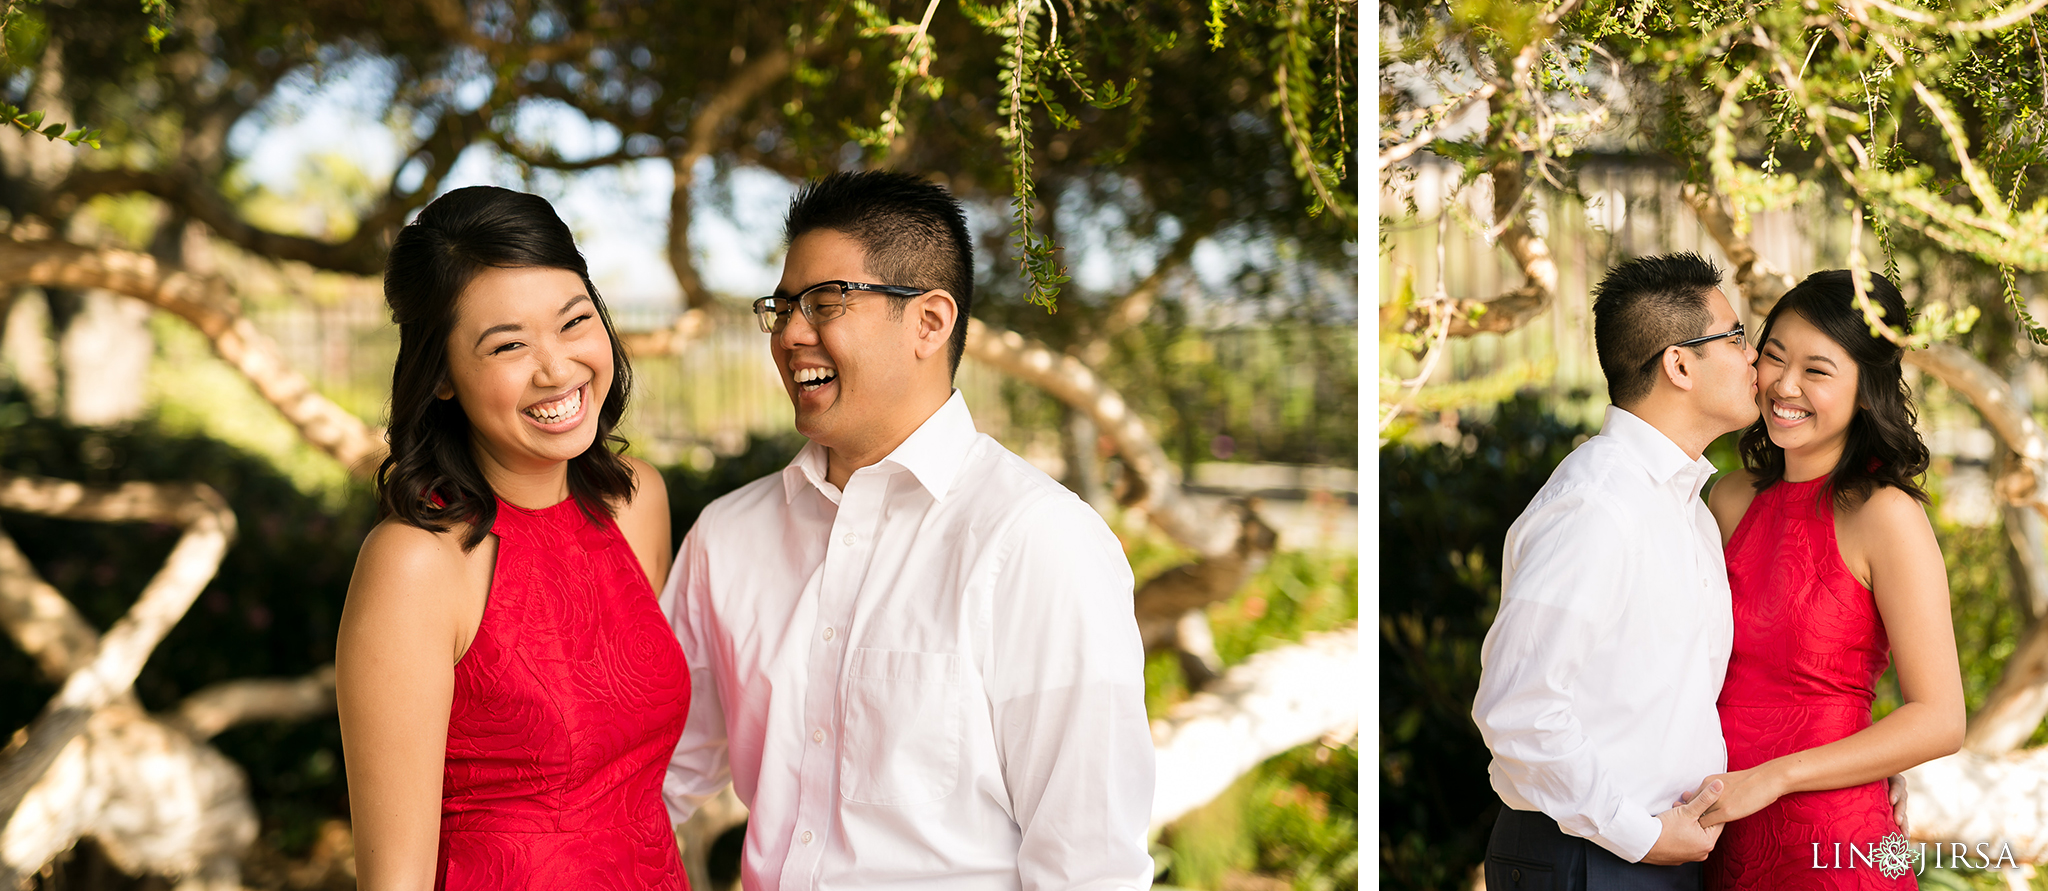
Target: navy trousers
(1527,852)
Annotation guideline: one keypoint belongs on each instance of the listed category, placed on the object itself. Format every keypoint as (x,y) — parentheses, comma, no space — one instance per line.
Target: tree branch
(158,802)
(547,159)
(39,619)
(1272,702)
(363,252)
(1169,606)
(216,708)
(1510,310)
(699,141)
(1761,283)
(203,302)
(1070,380)
(1428,133)
(110,674)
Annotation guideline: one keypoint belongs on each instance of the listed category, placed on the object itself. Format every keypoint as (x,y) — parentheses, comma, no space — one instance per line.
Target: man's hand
(1898,789)
(1682,839)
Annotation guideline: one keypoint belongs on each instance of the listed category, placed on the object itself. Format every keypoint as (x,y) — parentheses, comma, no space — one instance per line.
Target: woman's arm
(644,522)
(1890,535)
(401,634)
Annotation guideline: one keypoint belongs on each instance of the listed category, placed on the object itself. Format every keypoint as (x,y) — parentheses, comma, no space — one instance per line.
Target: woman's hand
(1743,792)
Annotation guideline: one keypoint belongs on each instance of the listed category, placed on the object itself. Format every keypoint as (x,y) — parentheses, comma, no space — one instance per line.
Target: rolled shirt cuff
(1631,835)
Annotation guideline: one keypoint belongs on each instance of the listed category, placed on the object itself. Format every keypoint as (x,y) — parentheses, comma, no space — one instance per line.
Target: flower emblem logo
(1894,857)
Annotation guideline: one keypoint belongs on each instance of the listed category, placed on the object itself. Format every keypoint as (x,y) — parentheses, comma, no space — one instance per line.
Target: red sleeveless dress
(567,708)
(1809,648)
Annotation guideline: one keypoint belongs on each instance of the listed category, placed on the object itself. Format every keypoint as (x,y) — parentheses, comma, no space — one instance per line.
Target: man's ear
(1677,368)
(935,312)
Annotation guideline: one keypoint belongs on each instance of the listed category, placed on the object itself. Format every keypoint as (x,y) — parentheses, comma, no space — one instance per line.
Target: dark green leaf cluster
(31,122)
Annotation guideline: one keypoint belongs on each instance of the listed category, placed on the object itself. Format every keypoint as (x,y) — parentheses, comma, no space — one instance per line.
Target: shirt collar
(933,455)
(1653,450)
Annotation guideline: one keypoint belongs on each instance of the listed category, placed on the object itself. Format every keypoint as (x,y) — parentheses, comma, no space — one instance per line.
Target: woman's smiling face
(530,363)
(1806,390)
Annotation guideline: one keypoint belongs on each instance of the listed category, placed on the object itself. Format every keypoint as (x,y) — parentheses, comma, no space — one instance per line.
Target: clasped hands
(1690,829)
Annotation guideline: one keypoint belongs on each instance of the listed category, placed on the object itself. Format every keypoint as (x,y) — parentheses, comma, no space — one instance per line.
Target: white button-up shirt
(932,679)
(1598,679)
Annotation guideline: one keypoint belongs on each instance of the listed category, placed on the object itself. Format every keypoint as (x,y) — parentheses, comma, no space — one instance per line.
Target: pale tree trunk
(1760,283)
(204,302)
(157,798)
(1498,314)
(1274,701)
(39,619)
(104,352)
(30,345)
(1070,380)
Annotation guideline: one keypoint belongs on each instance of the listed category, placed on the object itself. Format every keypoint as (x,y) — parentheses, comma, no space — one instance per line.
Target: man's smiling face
(845,377)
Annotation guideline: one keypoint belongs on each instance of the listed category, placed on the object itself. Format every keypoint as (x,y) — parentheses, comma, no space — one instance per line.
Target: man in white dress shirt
(912,653)
(1599,675)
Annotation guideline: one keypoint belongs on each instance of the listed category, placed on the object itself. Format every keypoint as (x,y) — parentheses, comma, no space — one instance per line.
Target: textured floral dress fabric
(567,707)
(1809,648)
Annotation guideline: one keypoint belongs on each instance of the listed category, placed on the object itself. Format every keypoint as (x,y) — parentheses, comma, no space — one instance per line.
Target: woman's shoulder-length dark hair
(431,479)
(1883,449)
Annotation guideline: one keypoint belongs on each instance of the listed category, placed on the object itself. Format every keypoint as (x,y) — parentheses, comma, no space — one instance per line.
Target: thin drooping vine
(915,62)
(1035,64)
(1043,274)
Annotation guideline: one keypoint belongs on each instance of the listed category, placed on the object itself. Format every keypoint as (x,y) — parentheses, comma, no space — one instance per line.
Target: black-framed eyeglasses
(1736,334)
(821,303)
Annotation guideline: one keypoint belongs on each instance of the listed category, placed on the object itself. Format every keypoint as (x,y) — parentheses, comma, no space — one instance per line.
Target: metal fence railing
(723,389)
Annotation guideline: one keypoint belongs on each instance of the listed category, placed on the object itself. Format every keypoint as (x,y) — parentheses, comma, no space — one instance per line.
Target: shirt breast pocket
(900,727)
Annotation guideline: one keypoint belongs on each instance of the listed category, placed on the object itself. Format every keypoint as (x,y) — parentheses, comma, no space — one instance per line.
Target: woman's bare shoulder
(650,491)
(398,557)
(1889,511)
(393,539)
(1733,490)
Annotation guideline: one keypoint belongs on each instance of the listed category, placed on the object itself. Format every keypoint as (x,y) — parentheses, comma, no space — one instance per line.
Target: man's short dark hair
(912,230)
(1643,306)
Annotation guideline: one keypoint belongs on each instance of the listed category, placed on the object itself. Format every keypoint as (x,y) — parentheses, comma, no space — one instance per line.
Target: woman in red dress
(509,691)
(1833,572)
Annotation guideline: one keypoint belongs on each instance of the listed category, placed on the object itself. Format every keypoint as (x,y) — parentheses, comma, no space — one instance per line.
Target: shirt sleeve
(698,769)
(1066,684)
(1562,592)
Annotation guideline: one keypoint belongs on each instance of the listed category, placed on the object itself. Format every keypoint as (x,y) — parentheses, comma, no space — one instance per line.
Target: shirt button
(828,634)
(817,736)
(807,836)
(850,538)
